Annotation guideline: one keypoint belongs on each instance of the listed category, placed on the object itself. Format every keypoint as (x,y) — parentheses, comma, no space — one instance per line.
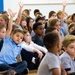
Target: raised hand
(64,3)
(12,14)
(21,4)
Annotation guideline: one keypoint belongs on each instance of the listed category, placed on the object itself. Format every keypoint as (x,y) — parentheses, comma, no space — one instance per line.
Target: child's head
(38,29)
(52,41)
(55,23)
(71,27)
(52,14)
(29,21)
(41,20)
(27,37)
(2,32)
(36,11)
(4,20)
(59,14)
(23,22)
(17,36)
(26,12)
(73,17)
(68,19)
(69,44)
(50,29)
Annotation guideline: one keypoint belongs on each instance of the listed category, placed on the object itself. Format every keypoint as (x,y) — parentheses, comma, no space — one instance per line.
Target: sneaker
(37,62)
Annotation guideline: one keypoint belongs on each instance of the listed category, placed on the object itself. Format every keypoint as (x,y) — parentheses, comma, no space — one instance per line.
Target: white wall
(45,6)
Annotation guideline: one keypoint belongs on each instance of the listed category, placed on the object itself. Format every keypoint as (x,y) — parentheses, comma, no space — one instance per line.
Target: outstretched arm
(63,10)
(9,29)
(21,5)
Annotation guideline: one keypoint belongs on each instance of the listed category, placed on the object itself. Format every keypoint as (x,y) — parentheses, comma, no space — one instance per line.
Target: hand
(64,4)
(12,14)
(21,4)
(40,54)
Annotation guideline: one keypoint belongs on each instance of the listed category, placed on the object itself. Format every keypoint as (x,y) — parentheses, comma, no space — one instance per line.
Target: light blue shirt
(9,51)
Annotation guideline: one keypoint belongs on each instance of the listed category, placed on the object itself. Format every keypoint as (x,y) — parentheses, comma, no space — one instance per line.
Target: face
(69,20)
(71,49)
(57,25)
(27,37)
(17,37)
(40,30)
(31,23)
(23,23)
(43,22)
(53,15)
(2,22)
(71,29)
(2,33)
(74,19)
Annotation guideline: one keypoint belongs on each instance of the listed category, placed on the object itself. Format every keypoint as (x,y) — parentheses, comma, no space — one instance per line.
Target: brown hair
(53,22)
(17,30)
(1,27)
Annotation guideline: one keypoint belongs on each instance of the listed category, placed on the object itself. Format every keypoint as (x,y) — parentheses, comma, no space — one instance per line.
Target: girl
(32,47)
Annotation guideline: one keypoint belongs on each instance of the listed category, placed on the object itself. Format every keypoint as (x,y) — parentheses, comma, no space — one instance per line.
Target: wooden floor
(32,72)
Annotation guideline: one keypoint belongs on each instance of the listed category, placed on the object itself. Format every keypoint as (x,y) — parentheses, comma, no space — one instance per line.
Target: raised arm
(9,29)
(21,5)
(63,10)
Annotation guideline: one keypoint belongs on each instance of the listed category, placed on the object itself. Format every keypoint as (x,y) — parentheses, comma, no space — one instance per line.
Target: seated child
(68,57)
(50,64)
(71,28)
(38,37)
(10,51)
(30,46)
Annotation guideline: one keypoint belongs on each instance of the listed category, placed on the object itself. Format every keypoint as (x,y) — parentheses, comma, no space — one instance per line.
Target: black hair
(36,10)
(50,29)
(50,40)
(73,32)
(72,16)
(35,25)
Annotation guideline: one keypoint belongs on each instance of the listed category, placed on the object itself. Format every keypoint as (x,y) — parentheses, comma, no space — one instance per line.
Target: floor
(32,72)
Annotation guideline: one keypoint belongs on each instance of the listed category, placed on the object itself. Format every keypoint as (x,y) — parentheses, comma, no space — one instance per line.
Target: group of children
(34,46)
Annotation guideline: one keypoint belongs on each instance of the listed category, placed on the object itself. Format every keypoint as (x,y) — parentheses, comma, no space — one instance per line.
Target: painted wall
(45,6)
(1,6)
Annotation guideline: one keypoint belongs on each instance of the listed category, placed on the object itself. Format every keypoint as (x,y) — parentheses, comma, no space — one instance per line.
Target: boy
(10,51)
(50,64)
(38,37)
(68,57)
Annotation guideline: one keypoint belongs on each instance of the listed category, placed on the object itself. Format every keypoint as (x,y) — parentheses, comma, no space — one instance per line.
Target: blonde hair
(68,39)
(58,13)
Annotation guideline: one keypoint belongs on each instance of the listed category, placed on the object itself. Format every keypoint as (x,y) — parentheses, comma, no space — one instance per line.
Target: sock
(33,60)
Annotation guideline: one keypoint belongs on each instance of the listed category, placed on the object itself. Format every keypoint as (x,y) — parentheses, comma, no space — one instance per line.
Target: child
(3,31)
(38,37)
(10,51)
(67,58)
(50,64)
(30,46)
(71,27)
